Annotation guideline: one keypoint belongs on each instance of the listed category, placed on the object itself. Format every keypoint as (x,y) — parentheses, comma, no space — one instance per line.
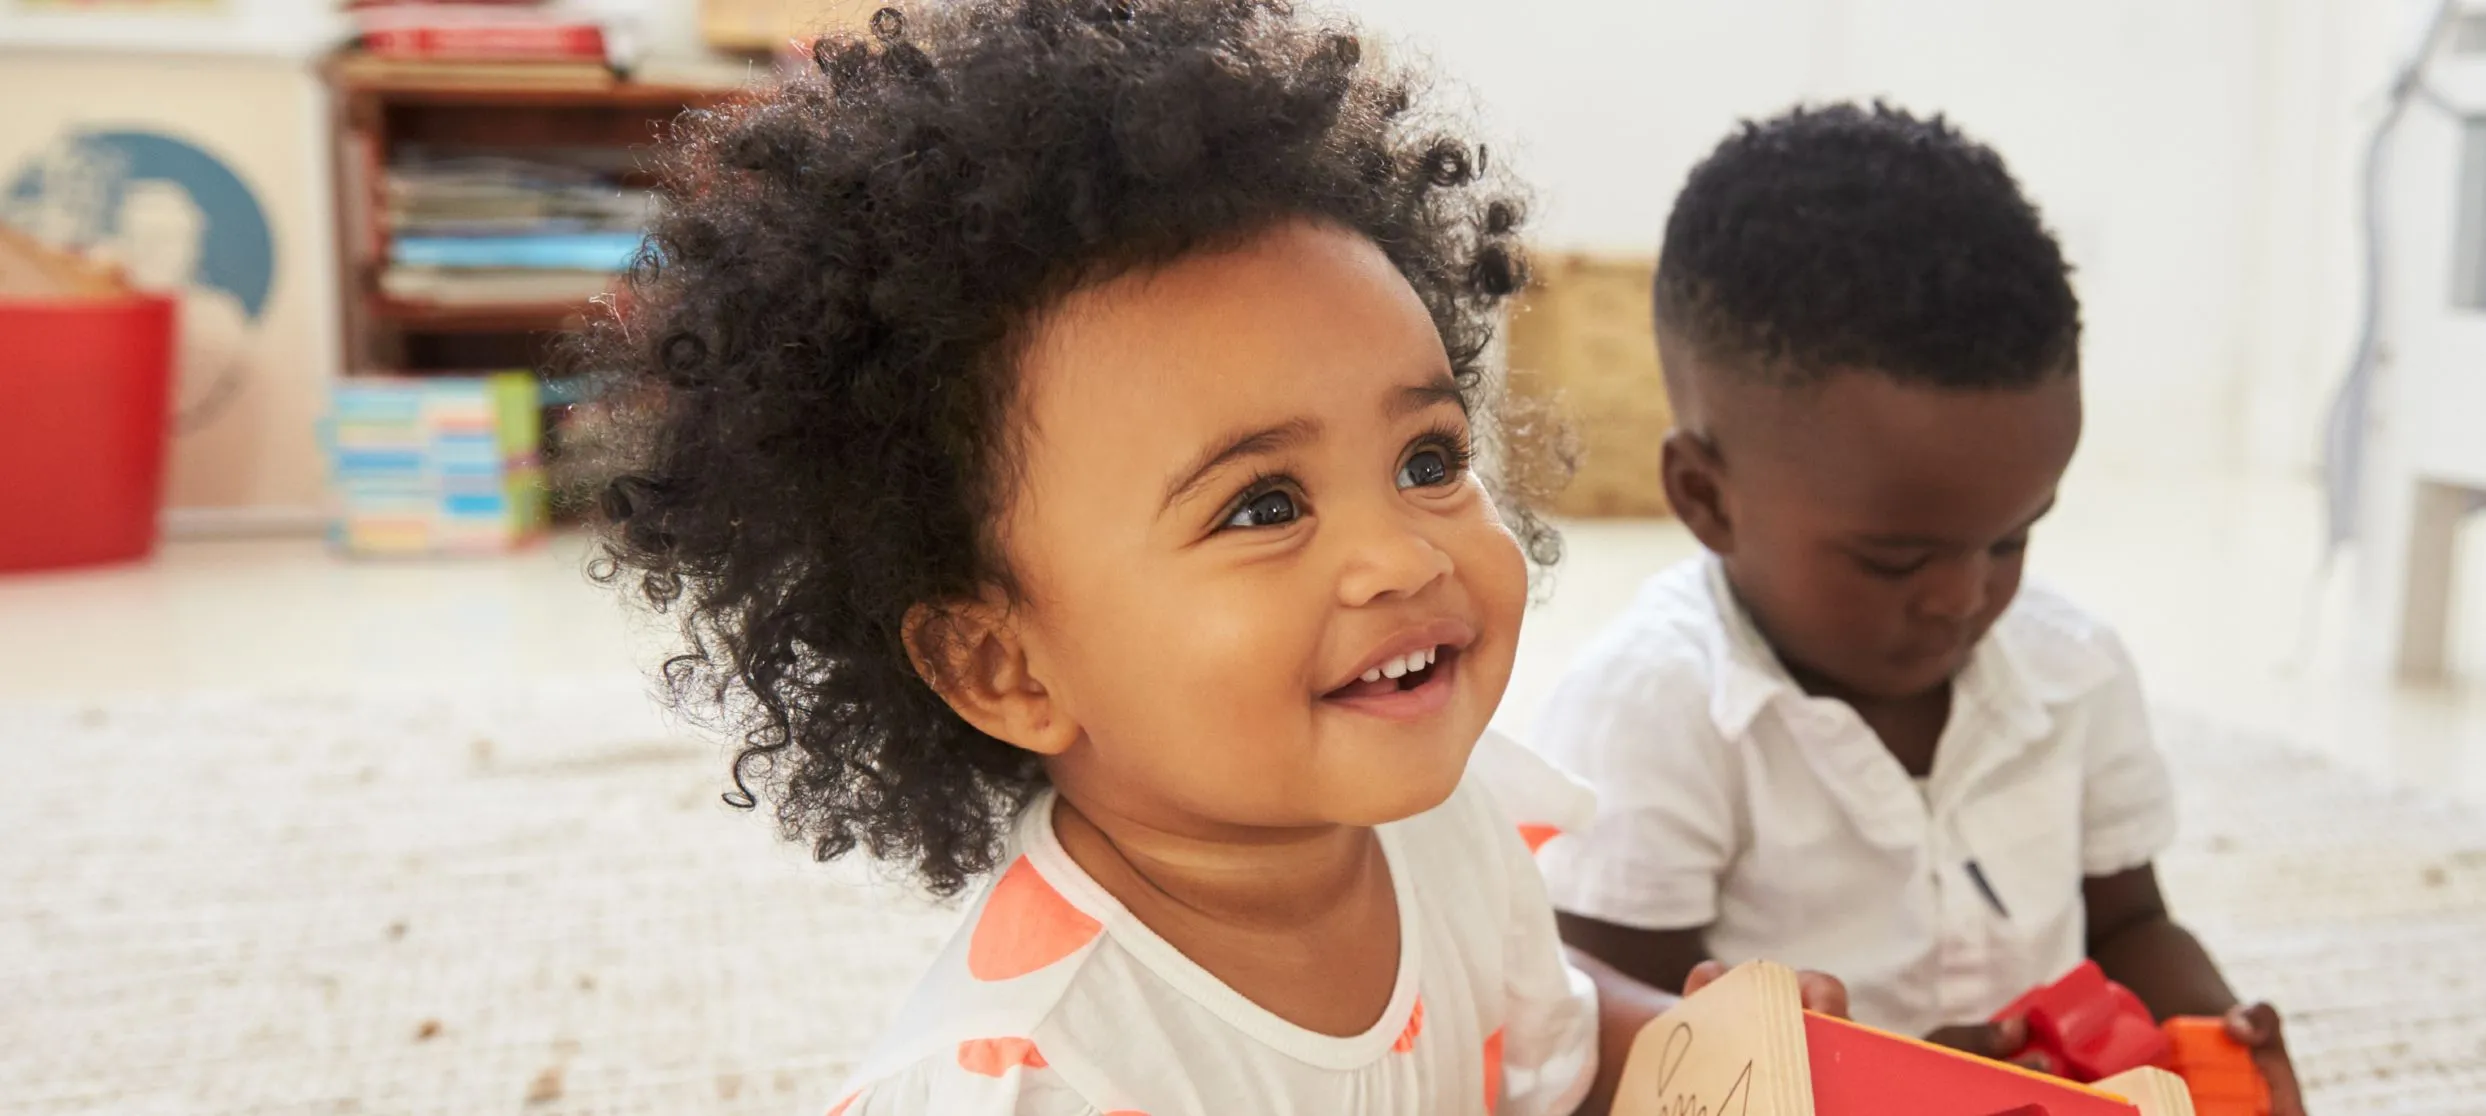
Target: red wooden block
(2091,1026)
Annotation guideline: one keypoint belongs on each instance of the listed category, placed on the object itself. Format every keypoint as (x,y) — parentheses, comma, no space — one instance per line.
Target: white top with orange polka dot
(1728,799)
(1054,1000)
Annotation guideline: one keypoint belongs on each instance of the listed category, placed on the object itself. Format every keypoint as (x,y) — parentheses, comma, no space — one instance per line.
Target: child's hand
(2003,1041)
(1823,994)
(2256,1027)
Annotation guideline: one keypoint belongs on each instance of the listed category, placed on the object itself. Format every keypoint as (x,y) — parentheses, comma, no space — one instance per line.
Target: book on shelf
(563,77)
(587,251)
(558,192)
(494,286)
(491,32)
(515,42)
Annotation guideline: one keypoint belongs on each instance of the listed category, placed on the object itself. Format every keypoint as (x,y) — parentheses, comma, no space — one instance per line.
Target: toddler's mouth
(1412,671)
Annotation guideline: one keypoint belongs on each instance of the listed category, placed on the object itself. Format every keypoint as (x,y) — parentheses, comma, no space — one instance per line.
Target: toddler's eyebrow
(1416,397)
(1250,443)
(1908,542)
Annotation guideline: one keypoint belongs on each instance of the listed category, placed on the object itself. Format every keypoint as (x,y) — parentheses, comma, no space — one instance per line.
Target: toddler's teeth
(1432,655)
(1395,668)
(1373,675)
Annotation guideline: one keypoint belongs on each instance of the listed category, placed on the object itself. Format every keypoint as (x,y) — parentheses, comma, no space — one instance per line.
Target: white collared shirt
(1728,799)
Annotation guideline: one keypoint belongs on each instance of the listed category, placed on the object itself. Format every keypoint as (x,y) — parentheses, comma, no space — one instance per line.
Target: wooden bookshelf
(503,317)
(382,107)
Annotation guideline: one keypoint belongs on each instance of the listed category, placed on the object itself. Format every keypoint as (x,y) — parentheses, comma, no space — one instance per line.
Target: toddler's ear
(1695,489)
(971,654)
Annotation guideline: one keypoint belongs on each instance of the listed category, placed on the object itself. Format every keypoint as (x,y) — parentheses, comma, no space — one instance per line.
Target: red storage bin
(85,396)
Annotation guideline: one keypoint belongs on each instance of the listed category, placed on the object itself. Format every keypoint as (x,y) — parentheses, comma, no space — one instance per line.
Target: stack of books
(437,464)
(495,42)
(484,230)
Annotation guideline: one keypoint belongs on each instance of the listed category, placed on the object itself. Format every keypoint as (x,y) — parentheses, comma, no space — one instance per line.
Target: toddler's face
(1255,570)
(1878,527)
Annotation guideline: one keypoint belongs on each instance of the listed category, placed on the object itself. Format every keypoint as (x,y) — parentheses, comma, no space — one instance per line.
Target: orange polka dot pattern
(994,1057)
(1026,926)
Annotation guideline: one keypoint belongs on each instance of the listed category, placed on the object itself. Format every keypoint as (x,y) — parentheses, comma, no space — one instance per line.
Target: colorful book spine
(437,465)
(548,41)
(560,251)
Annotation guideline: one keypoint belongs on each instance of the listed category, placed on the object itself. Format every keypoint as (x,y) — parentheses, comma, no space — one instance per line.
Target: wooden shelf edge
(466,87)
(500,317)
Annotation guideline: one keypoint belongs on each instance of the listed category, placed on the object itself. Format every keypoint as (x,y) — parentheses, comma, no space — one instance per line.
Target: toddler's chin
(1404,781)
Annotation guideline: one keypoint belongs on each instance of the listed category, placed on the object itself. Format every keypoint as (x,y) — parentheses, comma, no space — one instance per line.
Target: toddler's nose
(1390,560)
(1955,589)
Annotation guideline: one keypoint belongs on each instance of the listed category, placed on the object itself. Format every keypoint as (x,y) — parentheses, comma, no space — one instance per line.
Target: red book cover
(495,41)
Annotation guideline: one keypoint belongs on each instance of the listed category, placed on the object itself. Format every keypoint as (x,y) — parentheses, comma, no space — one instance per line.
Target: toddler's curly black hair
(817,355)
(1863,237)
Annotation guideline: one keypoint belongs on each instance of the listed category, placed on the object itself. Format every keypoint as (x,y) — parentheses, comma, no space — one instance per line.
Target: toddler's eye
(1272,508)
(1428,468)
(1890,571)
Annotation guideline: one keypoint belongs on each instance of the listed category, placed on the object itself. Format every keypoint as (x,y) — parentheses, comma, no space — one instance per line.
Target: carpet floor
(533,901)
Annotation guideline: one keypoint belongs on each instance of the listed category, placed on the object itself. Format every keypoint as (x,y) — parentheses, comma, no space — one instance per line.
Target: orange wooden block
(2217,1069)
(1746,1046)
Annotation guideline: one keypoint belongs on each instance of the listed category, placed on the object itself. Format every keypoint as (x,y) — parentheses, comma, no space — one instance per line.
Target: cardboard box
(768,25)
(1581,339)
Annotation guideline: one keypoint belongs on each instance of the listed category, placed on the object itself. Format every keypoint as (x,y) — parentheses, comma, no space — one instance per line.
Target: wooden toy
(2218,1069)
(1745,1046)
(2090,1026)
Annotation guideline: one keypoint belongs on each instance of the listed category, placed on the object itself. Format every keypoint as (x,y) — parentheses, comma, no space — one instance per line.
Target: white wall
(2194,156)
(2197,156)
(265,28)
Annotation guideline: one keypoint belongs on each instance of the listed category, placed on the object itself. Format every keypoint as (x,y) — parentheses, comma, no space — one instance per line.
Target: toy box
(1745,1045)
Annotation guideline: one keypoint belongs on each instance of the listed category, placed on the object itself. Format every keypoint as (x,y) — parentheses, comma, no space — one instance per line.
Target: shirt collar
(1749,675)
(2032,660)
(2037,658)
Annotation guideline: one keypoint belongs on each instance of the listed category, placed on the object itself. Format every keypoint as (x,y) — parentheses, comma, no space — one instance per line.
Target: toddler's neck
(1304,923)
(1238,877)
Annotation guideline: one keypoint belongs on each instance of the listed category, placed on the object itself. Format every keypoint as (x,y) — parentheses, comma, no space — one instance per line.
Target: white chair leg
(2426,593)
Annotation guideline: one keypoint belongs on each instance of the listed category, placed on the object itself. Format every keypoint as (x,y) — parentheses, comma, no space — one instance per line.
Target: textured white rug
(532,901)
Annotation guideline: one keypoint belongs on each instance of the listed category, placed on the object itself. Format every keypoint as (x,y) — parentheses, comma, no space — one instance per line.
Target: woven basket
(1581,340)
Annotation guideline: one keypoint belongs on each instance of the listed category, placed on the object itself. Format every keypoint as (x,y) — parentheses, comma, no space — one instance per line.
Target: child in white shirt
(1847,738)
(1053,422)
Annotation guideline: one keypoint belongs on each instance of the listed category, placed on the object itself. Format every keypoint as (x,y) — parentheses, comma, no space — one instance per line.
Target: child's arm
(2132,937)
(1624,1006)
(1661,959)
(2140,946)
